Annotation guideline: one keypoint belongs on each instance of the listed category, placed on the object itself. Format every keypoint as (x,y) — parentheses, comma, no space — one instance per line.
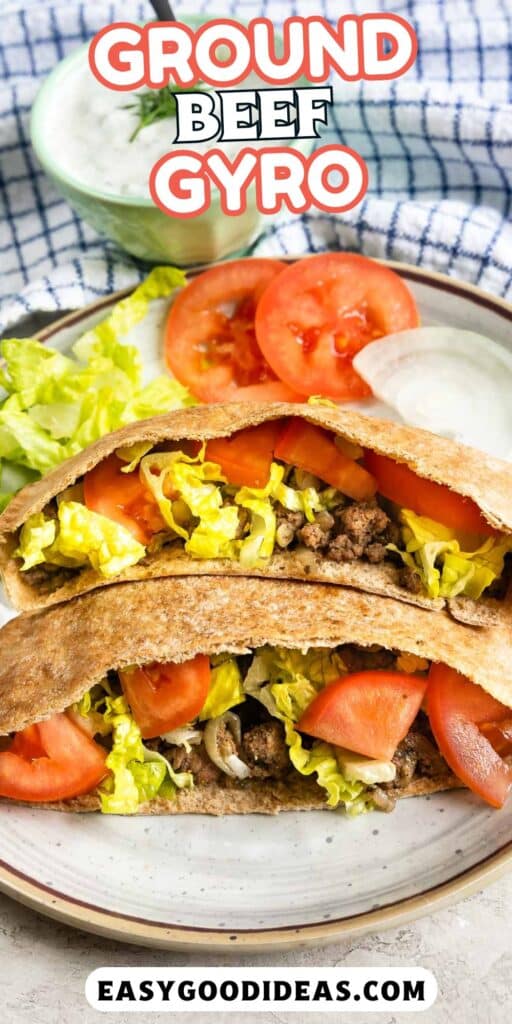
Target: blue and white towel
(437,143)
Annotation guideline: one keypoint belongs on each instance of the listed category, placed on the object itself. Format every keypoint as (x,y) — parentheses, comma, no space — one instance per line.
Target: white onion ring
(230,764)
(453,382)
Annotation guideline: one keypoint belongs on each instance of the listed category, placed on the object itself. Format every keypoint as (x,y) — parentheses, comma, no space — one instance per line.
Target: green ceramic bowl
(136,224)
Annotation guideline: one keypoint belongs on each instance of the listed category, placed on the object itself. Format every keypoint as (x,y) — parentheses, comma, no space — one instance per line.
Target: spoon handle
(163,10)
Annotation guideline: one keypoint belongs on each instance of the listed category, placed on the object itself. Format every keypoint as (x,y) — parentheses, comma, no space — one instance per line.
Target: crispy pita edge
(482,613)
(173,561)
(48,660)
(251,798)
(300,564)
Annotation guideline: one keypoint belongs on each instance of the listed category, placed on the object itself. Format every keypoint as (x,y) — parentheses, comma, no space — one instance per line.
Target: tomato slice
(164,696)
(456,709)
(246,457)
(51,761)
(403,486)
(210,341)
(499,735)
(309,447)
(123,498)
(313,319)
(28,743)
(369,712)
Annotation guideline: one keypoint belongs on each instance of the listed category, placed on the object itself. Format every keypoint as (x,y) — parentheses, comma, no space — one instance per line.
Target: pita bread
(252,798)
(173,620)
(486,480)
(50,659)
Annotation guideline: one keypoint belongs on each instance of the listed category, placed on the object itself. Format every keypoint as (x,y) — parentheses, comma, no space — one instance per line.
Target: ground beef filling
(350,532)
(416,757)
(47,578)
(263,750)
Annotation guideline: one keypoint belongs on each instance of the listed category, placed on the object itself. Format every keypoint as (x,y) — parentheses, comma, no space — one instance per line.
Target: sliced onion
(228,762)
(184,736)
(453,382)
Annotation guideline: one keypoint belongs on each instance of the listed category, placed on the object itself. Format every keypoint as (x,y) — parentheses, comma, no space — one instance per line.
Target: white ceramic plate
(259,883)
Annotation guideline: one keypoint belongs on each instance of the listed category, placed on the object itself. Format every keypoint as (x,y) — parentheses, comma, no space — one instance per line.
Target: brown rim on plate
(127,928)
(112,924)
(444,283)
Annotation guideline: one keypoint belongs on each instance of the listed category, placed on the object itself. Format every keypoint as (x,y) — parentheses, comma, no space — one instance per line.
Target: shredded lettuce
(163,394)
(258,546)
(259,543)
(195,484)
(448,562)
(191,496)
(56,404)
(286,682)
(226,690)
(320,400)
(132,454)
(321,760)
(36,538)
(76,538)
(137,774)
(103,339)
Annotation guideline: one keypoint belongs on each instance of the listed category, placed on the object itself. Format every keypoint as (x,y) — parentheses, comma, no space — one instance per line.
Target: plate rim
(419,274)
(129,929)
(133,930)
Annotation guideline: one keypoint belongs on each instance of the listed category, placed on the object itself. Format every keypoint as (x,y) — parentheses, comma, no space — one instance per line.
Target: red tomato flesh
(456,709)
(123,498)
(313,319)
(499,735)
(369,712)
(210,341)
(425,497)
(51,761)
(310,448)
(246,457)
(164,696)
(28,743)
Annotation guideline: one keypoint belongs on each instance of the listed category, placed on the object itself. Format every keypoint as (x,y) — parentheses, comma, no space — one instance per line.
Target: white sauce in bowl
(90,128)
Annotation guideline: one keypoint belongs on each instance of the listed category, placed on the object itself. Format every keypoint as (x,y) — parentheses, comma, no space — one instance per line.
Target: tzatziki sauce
(91,125)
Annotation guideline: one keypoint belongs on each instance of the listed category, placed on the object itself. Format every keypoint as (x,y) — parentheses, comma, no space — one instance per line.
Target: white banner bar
(321,990)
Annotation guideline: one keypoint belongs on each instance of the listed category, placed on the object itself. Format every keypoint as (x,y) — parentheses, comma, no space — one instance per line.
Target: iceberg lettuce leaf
(36,537)
(161,395)
(78,537)
(448,562)
(136,773)
(321,760)
(226,690)
(193,484)
(12,478)
(286,682)
(56,405)
(103,339)
(258,545)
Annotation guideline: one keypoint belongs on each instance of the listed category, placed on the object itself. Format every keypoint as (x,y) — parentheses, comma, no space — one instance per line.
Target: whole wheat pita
(485,480)
(173,620)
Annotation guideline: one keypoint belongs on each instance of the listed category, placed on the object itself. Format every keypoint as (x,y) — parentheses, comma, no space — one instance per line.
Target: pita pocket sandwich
(248,695)
(285,491)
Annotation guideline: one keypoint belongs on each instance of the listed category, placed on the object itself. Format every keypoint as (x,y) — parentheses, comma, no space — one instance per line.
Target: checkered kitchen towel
(437,144)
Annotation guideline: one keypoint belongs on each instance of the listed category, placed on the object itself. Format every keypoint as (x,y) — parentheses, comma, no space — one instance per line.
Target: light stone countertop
(43,966)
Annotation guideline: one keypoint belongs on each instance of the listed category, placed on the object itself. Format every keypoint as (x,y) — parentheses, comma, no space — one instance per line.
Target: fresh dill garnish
(156,104)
